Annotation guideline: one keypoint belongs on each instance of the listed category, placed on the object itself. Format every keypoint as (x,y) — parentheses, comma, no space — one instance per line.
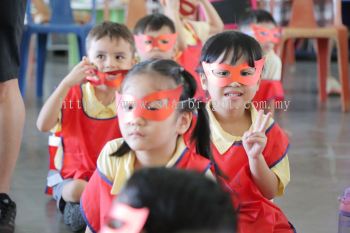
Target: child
(152,133)
(155,37)
(169,200)
(249,148)
(192,33)
(84,115)
(261,25)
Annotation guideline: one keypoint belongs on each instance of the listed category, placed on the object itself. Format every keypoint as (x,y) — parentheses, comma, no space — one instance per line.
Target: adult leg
(12,115)
(11,104)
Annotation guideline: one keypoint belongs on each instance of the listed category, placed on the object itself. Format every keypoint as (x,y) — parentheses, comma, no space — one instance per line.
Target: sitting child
(248,146)
(155,108)
(261,25)
(82,115)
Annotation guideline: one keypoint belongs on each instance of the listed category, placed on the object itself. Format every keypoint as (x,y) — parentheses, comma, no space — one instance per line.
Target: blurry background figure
(344,212)
(171,200)
(42,14)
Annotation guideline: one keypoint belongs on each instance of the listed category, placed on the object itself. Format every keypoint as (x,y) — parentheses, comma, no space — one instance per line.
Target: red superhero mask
(264,35)
(223,74)
(187,8)
(125,219)
(111,79)
(163,42)
(156,106)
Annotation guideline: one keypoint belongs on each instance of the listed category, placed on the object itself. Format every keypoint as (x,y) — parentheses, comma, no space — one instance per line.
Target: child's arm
(88,230)
(212,17)
(172,10)
(49,113)
(254,142)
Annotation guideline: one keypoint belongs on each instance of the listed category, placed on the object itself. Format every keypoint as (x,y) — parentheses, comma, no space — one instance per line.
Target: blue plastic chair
(62,21)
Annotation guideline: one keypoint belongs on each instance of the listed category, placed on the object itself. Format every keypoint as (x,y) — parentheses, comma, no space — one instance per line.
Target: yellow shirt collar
(219,137)
(93,107)
(125,166)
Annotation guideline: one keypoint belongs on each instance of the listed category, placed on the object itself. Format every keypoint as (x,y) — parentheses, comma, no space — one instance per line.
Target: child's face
(266,45)
(234,95)
(143,134)
(156,52)
(111,54)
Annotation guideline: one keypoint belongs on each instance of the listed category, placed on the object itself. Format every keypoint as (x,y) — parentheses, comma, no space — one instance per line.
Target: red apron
(255,211)
(269,90)
(97,199)
(189,59)
(82,137)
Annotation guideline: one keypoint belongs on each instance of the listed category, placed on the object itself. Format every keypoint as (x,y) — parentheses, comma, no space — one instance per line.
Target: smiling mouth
(233,94)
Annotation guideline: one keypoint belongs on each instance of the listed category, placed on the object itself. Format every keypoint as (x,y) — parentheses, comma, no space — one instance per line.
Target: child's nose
(110,62)
(136,121)
(235,84)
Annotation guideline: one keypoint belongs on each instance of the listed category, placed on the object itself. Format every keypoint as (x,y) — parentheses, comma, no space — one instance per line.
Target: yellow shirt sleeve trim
(282,171)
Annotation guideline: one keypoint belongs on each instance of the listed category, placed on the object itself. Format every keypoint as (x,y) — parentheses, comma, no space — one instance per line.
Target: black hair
(153,22)
(179,201)
(172,70)
(226,42)
(256,16)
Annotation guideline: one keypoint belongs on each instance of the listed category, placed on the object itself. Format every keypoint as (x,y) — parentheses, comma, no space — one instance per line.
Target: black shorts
(11,27)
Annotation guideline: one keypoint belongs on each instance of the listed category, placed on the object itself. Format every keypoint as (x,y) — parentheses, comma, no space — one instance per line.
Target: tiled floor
(319,157)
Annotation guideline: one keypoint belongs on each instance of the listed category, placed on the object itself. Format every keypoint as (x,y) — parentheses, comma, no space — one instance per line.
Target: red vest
(82,137)
(269,90)
(255,211)
(97,199)
(189,59)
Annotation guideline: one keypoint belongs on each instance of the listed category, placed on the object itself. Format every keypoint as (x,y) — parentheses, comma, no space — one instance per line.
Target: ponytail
(201,133)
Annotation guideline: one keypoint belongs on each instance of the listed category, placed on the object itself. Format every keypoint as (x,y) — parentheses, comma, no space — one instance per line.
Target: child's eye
(100,56)
(164,41)
(221,73)
(156,105)
(119,57)
(114,224)
(263,33)
(127,106)
(148,42)
(248,72)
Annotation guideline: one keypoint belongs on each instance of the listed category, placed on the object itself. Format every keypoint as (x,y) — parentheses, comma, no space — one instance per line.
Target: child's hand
(254,140)
(79,73)
(171,6)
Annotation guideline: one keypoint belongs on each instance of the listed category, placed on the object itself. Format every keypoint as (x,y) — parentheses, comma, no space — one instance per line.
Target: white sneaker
(333,86)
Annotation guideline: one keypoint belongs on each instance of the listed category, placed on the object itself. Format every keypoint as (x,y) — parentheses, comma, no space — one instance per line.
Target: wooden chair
(303,25)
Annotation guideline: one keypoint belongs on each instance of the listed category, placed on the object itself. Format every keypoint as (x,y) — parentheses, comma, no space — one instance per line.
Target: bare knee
(72,191)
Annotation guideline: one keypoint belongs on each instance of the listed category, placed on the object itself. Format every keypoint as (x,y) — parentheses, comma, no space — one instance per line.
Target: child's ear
(204,82)
(183,122)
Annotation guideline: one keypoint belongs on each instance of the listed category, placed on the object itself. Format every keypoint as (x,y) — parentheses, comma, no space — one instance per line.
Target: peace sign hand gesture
(254,140)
